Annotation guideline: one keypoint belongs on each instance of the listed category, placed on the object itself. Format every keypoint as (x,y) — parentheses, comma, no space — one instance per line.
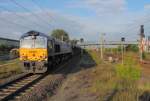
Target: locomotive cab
(40,52)
(33,52)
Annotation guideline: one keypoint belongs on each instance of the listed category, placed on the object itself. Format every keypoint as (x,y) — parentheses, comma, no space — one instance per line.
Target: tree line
(64,36)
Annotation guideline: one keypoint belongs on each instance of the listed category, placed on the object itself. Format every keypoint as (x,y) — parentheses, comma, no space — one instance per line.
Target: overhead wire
(11,22)
(28,10)
(21,17)
(8,35)
(138,25)
(48,15)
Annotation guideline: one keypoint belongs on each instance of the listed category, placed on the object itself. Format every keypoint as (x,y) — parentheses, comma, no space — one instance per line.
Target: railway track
(12,89)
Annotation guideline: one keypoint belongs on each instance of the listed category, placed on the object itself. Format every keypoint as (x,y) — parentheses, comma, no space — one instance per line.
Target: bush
(133,48)
(130,70)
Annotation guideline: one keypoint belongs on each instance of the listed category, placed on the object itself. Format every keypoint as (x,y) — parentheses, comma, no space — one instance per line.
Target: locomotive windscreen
(33,42)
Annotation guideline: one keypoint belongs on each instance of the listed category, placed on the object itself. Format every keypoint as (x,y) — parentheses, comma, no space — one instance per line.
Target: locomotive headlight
(44,57)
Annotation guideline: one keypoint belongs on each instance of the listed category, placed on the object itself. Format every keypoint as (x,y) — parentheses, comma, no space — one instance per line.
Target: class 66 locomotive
(40,52)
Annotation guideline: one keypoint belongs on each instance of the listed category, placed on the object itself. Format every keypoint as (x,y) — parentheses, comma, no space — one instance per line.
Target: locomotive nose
(33,54)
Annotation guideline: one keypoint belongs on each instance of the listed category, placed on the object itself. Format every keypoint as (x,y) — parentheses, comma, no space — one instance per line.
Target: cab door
(50,47)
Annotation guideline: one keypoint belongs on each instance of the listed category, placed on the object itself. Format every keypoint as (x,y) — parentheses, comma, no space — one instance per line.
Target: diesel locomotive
(40,52)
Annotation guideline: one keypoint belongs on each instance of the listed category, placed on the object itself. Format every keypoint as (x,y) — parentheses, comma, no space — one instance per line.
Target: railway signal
(81,41)
(122,49)
(142,38)
(102,42)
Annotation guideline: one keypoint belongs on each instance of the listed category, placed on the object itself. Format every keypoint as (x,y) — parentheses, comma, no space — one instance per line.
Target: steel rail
(10,90)
(13,89)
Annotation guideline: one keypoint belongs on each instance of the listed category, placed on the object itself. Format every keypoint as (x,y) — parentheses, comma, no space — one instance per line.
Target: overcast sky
(80,18)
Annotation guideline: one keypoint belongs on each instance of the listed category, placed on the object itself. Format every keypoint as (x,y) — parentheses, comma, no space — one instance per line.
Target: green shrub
(130,70)
(133,48)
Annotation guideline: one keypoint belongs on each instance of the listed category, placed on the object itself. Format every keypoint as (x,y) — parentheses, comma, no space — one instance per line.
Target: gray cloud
(147,6)
(112,17)
(13,26)
(101,7)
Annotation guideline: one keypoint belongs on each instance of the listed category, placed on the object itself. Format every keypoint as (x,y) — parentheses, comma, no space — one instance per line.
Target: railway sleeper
(7,94)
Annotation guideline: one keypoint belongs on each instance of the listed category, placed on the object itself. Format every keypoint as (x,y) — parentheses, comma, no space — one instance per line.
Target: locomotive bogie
(34,66)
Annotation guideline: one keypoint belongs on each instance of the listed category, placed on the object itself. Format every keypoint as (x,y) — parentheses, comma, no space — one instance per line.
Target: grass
(130,70)
(8,61)
(104,80)
(95,56)
(129,73)
(127,95)
(10,69)
(147,56)
(145,86)
(107,77)
(103,76)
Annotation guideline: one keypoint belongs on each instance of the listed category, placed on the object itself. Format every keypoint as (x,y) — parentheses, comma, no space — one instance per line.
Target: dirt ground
(73,88)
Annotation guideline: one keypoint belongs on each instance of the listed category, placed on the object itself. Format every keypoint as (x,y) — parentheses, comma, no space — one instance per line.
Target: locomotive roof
(36,33)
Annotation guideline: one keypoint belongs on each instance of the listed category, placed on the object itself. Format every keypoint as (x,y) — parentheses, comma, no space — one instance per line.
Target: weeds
(95,55)
(108,77)
(130,70)
(147,56)
(10,69)
(127,72)
(145,86)
(9,61)
(128,75)
(103,76)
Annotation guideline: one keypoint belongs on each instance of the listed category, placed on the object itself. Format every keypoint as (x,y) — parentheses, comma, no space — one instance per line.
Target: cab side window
(50,45)
(57,48)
